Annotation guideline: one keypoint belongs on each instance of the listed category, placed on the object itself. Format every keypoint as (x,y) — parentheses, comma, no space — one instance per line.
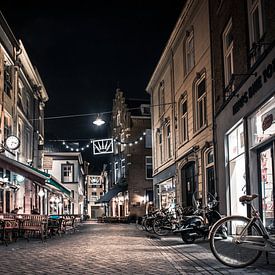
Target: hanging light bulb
(99,121)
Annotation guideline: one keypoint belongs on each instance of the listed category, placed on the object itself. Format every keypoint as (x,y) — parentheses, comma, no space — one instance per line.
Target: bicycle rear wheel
(228,248)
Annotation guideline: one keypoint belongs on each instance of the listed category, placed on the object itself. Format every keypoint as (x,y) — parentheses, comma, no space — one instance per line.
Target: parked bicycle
(238,241)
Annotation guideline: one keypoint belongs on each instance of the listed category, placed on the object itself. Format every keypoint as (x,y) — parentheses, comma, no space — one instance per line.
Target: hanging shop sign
(103,146)
(262,79)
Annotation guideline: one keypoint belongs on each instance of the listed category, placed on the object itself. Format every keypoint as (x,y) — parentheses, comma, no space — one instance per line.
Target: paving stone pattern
(115,249)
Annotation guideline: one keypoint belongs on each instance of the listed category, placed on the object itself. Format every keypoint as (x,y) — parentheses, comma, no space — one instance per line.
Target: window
(148,138)
(7,126)
(28,107)
(19,95)
(168,140)
(200,108)
(160,145)
(236,169)
(28,143)
(209,170)
(228,53)
(149,167)
(93,193)
(67,172)
(161,98)
(7,80)
(189,52)
(116,171)
(20,134)
(183,119)
(123,168)
(255,21)
(262,126)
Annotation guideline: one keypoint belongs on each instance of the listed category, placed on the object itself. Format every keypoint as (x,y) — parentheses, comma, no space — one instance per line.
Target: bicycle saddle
(247,198)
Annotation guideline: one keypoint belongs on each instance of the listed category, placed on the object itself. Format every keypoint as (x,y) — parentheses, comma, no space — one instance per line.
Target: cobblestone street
(115,249)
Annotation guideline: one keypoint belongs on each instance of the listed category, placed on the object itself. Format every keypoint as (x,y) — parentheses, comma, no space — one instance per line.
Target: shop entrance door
(266,188)
(188,183)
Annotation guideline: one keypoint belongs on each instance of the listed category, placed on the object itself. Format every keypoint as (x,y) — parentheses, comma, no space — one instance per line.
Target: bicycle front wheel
(160,226)
(228,241)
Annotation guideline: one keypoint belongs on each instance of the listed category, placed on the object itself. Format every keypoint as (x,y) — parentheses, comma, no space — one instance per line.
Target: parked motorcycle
(198,226)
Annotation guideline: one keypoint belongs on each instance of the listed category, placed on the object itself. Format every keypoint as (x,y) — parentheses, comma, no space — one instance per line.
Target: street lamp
(99,121)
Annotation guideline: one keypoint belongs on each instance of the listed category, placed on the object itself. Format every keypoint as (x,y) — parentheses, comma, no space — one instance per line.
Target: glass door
(267,184)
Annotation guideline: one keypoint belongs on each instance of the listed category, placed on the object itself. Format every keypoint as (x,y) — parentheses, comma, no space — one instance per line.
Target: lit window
(149,167)
(189,53)
(183,119)
(228,53)
(200,95)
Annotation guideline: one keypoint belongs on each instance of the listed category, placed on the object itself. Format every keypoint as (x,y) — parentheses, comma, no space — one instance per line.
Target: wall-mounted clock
(12,142)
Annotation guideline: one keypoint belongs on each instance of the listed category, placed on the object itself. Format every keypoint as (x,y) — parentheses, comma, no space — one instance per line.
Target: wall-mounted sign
(47,163)
(266,75)
(103,146)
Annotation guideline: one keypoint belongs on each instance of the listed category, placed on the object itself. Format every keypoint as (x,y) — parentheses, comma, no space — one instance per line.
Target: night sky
(83,53)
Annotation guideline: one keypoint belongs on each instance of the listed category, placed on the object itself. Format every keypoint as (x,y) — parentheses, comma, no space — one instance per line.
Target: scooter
(194,227)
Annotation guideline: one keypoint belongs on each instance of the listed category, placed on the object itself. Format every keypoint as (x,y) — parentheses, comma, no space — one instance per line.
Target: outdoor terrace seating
(9,230)
(34,225)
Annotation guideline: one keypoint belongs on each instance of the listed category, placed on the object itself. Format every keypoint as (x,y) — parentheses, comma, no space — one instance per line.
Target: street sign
(103,146)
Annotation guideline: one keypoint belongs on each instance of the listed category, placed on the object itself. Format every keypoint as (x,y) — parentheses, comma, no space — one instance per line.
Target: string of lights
(86,146)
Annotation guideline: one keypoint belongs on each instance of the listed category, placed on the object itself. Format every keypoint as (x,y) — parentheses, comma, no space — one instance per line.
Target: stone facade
(22,102)
(181,96)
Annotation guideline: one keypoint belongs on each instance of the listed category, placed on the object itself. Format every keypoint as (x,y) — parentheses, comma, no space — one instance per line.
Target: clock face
(12,142)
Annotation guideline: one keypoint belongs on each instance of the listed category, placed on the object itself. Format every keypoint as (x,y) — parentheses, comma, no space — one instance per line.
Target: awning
(22,169)
(32,173)
(54,182)
(112,193)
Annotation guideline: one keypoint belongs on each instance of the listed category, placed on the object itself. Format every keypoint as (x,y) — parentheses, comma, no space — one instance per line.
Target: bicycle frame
(263,242)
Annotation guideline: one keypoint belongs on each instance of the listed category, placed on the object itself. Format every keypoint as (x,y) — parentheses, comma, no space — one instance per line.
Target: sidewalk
(197,257)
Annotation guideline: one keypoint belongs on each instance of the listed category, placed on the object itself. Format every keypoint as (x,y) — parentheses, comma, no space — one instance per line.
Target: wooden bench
(32,225)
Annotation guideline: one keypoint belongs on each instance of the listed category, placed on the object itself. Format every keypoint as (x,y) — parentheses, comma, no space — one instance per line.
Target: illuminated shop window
(236,169)
(262,125)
